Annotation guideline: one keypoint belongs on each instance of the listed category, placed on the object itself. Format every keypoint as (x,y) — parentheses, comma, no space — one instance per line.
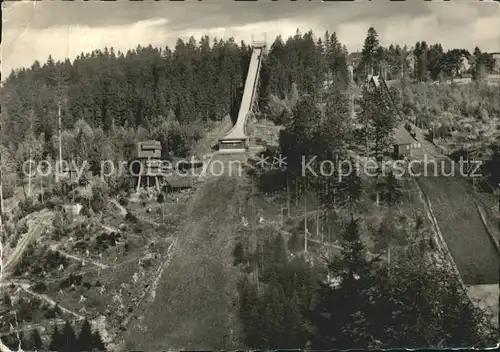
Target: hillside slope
(195,302)
(463,230)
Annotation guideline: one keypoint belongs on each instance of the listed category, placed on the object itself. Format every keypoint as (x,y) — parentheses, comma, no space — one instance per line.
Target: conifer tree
(55,341)
(350,186)
(36,341)
(393,189)
(85,341)
(249,313)
(23,342)
(97,342)
(370,52)
(68,339)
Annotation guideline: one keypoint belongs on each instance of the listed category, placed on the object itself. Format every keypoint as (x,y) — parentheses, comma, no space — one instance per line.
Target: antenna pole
(60,132)
(1,222)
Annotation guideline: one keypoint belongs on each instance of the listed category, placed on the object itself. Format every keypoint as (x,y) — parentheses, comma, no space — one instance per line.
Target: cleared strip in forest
(462,229)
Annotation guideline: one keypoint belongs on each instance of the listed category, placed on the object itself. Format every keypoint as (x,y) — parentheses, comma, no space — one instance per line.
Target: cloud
(35,30)
(62,42)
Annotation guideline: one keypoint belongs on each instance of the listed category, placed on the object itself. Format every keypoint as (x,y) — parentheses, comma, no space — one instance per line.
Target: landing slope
(195,304)
(462,229)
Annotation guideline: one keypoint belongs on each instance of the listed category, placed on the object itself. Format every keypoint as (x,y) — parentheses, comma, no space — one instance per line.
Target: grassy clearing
(265,133)
(195,301)
(462,229)
(206,144)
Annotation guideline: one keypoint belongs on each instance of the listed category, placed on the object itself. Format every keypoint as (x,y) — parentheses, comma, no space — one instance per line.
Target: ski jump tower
(236,140)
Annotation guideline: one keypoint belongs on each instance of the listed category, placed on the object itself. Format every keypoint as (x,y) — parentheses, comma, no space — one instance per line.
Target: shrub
(40,287)
(131,218)
(123,201)
(85,210)
(83,181)
(22,227)
(28,206)
(98,202)
(13,240)
(119,185)
(7,190)
(54,202)
(161,198)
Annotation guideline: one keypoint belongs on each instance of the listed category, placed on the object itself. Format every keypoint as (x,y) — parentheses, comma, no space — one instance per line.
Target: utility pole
(60,81)
(29,176)
(60,132)
(317,223)
(305,222)
(1,190)
(30,154)
(254,238)
(1,222)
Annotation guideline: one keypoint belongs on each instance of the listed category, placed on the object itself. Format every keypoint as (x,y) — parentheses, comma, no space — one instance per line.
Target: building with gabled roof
(404,142)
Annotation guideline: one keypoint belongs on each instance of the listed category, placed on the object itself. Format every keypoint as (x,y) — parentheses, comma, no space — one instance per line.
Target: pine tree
(55,341)
(295,333)
(351,187)
(97,342)
(85,340)
(36,341)
(68,339)
(370,52)
(273,318)
(338,318)
(23,342)
(393,189)
(249,313)
(6,300)
(353,252)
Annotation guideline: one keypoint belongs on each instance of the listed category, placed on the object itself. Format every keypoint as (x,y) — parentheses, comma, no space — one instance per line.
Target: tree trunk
(41,189)
(1,193)
(60,134)
(366,141)
(317,223)
(29,176)
(305,224)
(296,192)
(289,196)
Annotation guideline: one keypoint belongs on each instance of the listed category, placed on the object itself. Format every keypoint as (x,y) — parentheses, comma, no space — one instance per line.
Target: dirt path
(25,288)
(31,235)
(123,211)
(83,261)
(115,230)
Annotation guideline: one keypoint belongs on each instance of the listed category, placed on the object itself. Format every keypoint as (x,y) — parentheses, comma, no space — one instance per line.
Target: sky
(35,30)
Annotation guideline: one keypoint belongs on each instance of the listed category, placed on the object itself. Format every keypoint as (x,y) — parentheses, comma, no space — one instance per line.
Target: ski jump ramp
(236,140)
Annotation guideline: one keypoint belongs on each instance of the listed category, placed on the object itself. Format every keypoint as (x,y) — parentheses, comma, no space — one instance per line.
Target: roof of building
(402,136)
(150,143)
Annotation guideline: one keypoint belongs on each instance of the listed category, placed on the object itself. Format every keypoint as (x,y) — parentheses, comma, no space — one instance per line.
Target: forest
(170,94)
(110,100)
(61,340)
